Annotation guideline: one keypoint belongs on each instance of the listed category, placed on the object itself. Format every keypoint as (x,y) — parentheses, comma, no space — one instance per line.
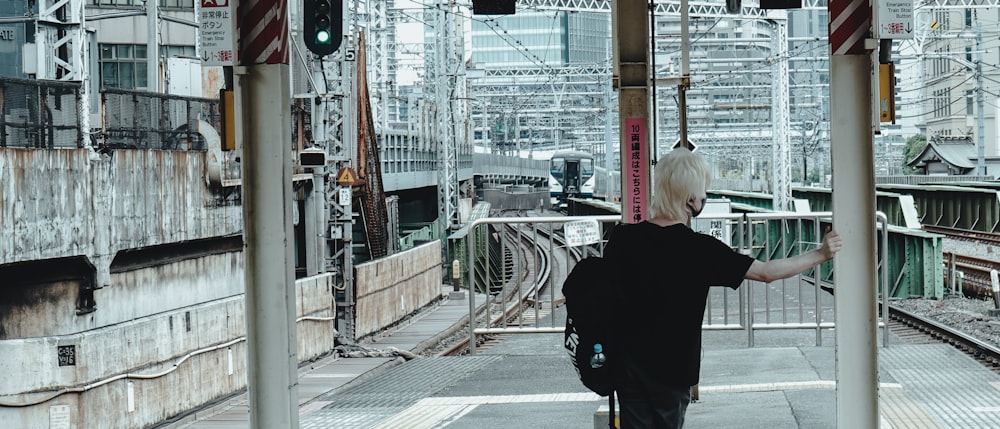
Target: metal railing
(796,303)
(150,120)
(42,114)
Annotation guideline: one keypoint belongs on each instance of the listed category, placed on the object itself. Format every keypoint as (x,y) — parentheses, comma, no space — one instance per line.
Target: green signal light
(323,37)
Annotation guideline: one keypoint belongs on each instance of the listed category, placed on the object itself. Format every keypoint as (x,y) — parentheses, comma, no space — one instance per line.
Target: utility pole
(980,139)
(781,192)
(153,46)
(447,52)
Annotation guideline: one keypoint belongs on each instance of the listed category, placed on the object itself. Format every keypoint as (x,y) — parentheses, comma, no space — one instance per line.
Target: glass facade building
(537,38)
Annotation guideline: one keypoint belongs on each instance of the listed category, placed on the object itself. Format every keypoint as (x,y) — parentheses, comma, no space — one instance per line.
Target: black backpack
(590,293)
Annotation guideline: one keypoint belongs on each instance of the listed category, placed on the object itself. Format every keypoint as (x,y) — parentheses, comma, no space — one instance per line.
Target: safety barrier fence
(40,114)
(149,120)
(803,302)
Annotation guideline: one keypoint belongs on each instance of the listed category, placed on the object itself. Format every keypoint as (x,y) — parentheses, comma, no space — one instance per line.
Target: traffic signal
(323,25)
(733,6)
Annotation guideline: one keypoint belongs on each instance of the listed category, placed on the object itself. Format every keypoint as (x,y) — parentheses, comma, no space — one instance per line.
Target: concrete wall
(131,295)
(391,288)
(163,338)
(58,203)
(503,200)
(139,372)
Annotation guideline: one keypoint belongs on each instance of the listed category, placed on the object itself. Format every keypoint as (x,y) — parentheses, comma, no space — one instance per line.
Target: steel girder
(62,50)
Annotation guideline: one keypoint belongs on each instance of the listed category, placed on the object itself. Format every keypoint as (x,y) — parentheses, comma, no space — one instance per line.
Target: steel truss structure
(62,49)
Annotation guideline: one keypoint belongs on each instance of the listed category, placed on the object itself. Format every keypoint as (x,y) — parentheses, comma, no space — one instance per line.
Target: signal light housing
(493,7)
(323,25)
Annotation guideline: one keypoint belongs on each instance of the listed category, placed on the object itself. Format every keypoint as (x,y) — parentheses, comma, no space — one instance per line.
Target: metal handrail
(745,224)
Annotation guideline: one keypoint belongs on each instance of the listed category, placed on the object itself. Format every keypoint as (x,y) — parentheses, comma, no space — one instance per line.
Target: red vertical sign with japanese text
(635,172)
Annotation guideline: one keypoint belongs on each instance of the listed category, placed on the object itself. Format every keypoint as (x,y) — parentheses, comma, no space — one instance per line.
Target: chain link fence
(148,120)
(45,114)
(39,114)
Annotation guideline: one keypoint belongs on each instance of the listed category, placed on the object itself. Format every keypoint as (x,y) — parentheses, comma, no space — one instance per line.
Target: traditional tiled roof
(957,152)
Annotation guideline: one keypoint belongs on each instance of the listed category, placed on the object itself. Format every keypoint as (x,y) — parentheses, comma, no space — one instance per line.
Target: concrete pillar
(267,224)
(851,142)
(631,60)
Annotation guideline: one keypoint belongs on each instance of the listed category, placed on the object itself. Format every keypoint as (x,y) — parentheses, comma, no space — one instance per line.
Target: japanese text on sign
(216,22)
(709,223)
(581,232)
(635,174)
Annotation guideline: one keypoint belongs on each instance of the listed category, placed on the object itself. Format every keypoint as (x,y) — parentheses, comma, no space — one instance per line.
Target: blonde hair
(678,177)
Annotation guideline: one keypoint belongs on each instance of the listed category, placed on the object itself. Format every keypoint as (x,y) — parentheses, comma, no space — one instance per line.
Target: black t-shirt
(664,275)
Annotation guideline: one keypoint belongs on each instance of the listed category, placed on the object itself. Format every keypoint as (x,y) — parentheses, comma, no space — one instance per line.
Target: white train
(571,175)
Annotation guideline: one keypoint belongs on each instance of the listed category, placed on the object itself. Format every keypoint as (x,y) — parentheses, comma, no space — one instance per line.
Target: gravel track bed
(964,314)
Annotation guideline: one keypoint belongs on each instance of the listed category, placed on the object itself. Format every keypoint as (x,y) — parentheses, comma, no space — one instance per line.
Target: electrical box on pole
(323,25)
(887,93)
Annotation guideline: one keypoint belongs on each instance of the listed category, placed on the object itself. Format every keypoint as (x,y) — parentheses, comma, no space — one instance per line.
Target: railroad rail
(532,263)
(964,234)
(976,278)
(986,353)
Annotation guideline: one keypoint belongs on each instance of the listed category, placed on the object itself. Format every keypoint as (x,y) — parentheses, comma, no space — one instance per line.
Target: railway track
(914,328)
(530,267)
(976,281)
(964,234)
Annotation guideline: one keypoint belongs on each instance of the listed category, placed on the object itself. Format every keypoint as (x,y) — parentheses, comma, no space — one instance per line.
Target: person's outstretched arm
(778,269)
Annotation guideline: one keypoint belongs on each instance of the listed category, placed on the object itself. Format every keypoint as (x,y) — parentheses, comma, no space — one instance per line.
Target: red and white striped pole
(264,107)
(263,28)
(851,135)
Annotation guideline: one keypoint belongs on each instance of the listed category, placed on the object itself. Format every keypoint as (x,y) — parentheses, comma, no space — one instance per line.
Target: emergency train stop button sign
(581,232)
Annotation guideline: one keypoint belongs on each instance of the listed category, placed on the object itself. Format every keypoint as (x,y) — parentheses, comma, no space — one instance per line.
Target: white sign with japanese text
(581,232)
(216,22)
(718,228)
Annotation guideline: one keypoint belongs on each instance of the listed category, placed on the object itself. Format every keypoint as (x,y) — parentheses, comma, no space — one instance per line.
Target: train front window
(558,165)
(587,167)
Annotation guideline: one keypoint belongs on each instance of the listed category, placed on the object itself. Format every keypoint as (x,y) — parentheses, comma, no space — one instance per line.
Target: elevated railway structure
(88,227)
(971,206)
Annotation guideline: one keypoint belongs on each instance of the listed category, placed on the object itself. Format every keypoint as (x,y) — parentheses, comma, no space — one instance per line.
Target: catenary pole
(152,46)
(265,110)
(631,64)
(851,138)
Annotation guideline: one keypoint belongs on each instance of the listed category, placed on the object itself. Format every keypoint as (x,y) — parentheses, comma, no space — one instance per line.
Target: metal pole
(884,258)
(980,145)
(265,115)
(152,47)
(685,76)
(315,222)
(780,154)
(471,250)
(854,203)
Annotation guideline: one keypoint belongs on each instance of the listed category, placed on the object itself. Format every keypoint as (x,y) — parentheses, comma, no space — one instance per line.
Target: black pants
(648,406)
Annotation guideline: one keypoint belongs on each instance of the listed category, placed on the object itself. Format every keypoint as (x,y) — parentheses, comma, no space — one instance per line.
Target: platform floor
(526,381)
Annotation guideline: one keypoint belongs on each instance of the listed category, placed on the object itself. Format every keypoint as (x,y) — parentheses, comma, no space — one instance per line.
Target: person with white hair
(665,270)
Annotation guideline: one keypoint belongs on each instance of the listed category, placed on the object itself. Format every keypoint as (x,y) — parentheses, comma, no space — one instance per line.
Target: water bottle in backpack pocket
(590,333)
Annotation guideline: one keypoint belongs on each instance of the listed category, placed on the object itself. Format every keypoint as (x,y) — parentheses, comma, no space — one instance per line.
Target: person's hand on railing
(832,243)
